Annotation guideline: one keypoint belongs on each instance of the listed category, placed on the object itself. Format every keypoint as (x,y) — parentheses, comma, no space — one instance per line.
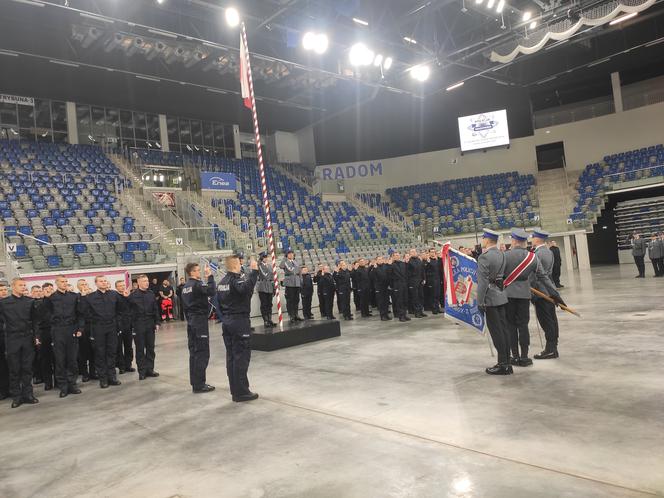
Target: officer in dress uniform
(433,278)
(544,310)
(343,284)
(307,290)
(639,252)
(265,289)
(399,279)
(4,372)
(67,322)
(656,253)
(519,265)
(145,315)
(415,283)
(102,308)
(19,319)
(125,353)
(492,300)
(195,294)
(381,283)
(234,297)
(363,287)
(327,288)
(86,353)
(292,282)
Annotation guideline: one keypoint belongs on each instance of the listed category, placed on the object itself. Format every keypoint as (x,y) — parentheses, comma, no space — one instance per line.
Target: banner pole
(261,167)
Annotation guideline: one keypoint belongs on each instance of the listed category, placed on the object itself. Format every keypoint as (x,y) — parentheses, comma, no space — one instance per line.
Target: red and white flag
(244,73)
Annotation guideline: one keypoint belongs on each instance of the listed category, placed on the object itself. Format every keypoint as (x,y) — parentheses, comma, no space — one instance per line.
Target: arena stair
(554,199)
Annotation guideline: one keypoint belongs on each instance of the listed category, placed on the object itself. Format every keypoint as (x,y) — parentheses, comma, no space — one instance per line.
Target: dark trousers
(86,355)
(518,316)
(326,305)
(4,371)
(266,305)
(306,303)
(382,301)
(546,316)
(20,355)
(415,298)
(433,295)
(125,352)
(292,301)
(364,300)
(555,275)
(495,321)
(237,335)
(343,302)
(65,350)
(639,260)
(198,342)
(400,298)
(356,299)
(105,344)
(658,266)
(144,340)
(45,355)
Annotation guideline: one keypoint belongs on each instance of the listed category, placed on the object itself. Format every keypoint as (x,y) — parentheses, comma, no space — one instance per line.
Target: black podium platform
(263,339)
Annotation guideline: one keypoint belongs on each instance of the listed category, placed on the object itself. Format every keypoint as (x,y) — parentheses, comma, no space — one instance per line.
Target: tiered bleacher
(644,216)
(320,231)
(599,177)
(459,206)
(60,210)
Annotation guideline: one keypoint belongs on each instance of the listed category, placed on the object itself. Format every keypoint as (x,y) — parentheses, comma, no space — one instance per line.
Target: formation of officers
(53,335)
(408,285)
(653,247)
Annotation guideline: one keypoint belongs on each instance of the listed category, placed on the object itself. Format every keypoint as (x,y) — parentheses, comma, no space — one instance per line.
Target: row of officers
(57,334)
(410,284)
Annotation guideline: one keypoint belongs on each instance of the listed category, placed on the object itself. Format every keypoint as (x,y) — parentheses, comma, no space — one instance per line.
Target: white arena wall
(585,142)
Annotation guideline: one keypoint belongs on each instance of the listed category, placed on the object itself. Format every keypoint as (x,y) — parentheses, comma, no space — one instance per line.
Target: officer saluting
(195,294)
(265,289)
(234,296)
(292,282)
(20,322)
(519,265)
(492,300)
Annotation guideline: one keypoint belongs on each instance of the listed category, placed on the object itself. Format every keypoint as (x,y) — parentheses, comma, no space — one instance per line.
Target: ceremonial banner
(460,285)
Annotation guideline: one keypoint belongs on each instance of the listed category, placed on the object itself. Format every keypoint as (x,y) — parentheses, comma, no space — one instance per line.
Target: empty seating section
(644,216)
(598,177)
(499,201)
(320,230)
(59,208)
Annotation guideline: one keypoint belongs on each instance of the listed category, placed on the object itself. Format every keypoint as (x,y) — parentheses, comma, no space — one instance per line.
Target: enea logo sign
(350,171)
(218,181)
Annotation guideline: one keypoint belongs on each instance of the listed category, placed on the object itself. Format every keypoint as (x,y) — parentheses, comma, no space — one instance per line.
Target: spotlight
(360,55)
(309,40)
(420,73)
(490,3)
(533,25)
(232,17)
(410,40)
(479,2)
(160,1)
(527,15)
(378,60)
(387,64)
(501,6)
(321,44)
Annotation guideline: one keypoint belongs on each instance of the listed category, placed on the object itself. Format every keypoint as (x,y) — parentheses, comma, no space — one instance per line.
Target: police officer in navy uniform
(415,284)
(326,289)
(4,372)
(19,319)
(492,300)
(67,322)
(102,308)
(363,287)
(399,279)
(307,292)
(517,288)
(544,310)
(342,284)
(433,278)
(125,353)
(292,282)
(145,316)
(265,288)
(195,294)
(234,297)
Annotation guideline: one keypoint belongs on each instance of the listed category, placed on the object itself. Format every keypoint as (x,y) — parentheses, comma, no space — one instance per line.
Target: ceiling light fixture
(232,17)
(360,21)
(622,18)
(456,85)
(420,73)
(526,16)
(501,6)
(410,40)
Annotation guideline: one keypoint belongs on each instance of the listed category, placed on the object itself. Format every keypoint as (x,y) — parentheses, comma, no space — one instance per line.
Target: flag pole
(261,167)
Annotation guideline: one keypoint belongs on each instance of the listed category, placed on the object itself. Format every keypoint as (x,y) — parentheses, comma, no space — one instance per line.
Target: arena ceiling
(179,55)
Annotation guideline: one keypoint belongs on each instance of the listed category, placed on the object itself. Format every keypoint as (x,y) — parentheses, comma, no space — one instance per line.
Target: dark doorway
(550,156)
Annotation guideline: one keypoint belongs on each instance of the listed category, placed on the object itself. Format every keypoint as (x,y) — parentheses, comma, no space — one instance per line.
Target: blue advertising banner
(460,273)
(211,180)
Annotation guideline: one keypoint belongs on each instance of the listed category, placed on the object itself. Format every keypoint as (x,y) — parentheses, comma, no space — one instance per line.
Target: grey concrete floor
(385,410)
